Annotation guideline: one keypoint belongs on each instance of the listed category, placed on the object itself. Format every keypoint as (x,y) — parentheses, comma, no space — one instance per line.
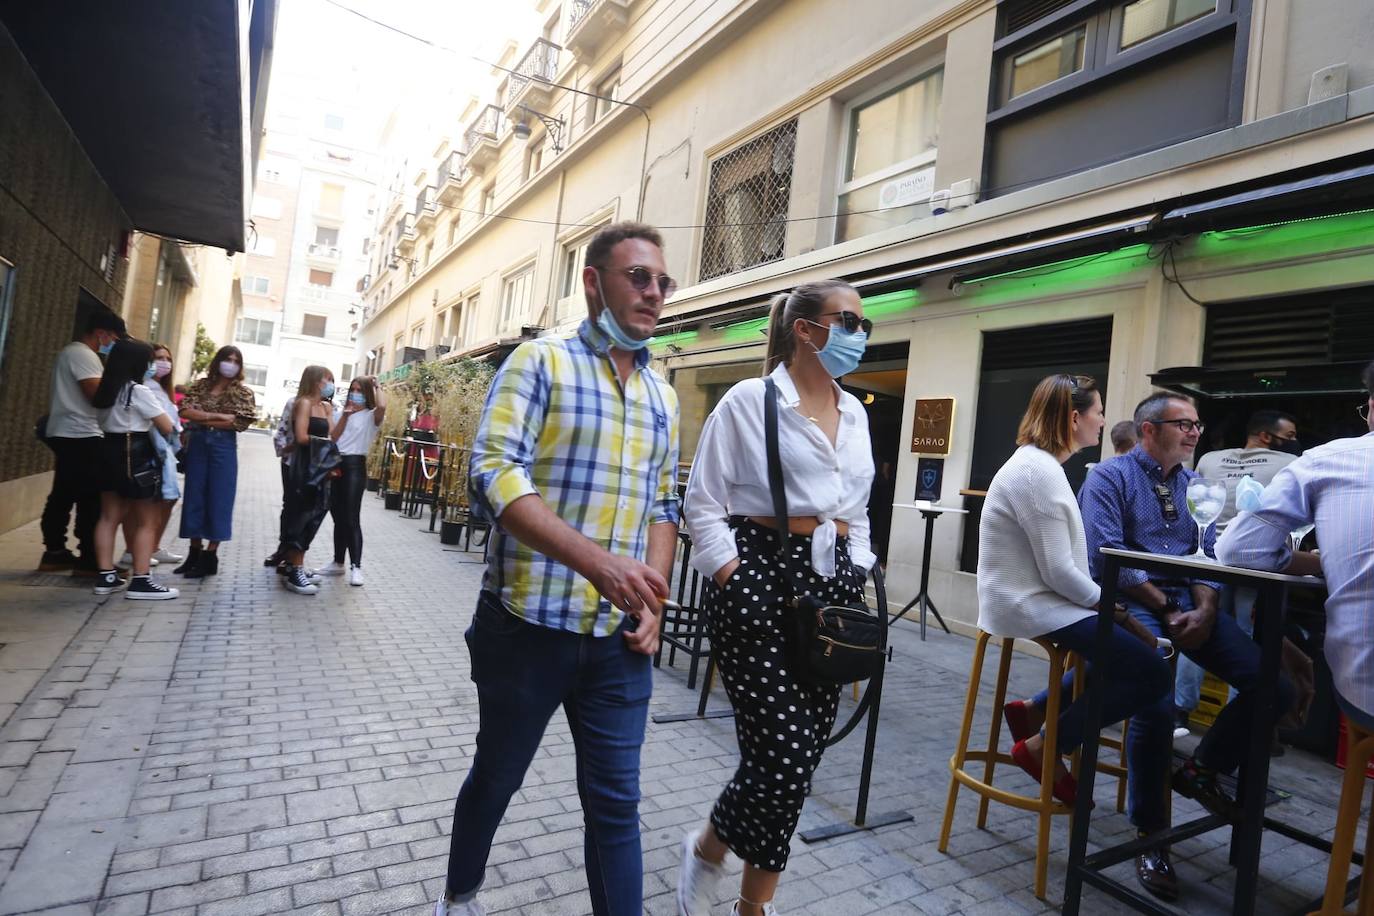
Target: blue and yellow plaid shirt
(558,424)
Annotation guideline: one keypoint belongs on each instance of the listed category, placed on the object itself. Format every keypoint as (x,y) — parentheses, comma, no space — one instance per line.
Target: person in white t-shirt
(354,429)
(73,433)
(130,469)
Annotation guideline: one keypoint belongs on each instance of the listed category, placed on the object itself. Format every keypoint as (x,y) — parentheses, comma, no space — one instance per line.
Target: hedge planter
(374,484)
(392,501)
(451,533)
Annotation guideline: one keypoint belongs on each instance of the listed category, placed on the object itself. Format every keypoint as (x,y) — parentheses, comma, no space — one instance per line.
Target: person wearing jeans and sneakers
(575,460)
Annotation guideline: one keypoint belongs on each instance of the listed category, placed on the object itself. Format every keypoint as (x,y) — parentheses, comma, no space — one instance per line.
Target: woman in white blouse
(354,430)
(817,333)
(1033,576)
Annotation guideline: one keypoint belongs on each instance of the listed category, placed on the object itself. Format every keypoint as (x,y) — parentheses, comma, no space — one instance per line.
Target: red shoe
(1017,716)
(1065,788)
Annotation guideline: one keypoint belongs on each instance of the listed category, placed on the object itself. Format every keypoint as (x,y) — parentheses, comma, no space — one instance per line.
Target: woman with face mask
(306,502)
(354,430)
(817,333)
(215,410)
(161,386)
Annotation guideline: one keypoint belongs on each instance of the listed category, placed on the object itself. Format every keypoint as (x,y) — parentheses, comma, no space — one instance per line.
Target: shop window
(1013,363)
(747,203)
(313,325)
(253,331)
(889,167)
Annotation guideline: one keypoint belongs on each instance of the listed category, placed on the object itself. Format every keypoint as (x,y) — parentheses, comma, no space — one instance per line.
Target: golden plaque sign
(933,427)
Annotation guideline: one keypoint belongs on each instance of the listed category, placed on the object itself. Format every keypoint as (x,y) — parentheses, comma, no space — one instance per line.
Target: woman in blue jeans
(216,409)
(1033,578)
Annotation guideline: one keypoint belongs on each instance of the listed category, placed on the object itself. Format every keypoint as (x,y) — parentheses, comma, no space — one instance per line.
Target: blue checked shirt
(558,424)
(1121,510)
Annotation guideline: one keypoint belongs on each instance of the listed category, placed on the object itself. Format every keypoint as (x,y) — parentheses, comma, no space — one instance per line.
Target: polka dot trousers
(781,725)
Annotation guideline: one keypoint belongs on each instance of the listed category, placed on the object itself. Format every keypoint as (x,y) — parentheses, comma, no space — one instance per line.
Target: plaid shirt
(558,424)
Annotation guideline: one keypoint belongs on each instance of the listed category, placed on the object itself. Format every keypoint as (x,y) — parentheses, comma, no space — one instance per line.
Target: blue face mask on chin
(842,351)
(151,371)
(106,347)
(612,329)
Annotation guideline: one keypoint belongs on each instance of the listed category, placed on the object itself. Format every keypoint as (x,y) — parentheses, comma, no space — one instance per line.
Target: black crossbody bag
(827,645)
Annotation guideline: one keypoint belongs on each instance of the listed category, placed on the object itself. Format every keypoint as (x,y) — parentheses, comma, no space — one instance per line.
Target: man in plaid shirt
(576,461)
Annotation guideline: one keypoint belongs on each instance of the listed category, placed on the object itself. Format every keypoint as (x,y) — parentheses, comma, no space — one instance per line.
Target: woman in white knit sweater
(1033,576)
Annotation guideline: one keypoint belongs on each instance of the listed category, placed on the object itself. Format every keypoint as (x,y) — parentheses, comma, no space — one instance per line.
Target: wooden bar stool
(1044,804)
(1361,748)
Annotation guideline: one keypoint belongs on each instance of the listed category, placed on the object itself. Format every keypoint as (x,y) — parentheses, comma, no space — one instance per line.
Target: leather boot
(206,565)
(192,561)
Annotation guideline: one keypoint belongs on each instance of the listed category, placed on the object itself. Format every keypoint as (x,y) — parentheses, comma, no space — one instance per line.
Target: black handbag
(827,645)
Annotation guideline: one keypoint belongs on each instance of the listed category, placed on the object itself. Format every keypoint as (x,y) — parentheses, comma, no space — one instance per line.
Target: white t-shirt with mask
(1232,464)
(359,434)
(70,414)
(135,408)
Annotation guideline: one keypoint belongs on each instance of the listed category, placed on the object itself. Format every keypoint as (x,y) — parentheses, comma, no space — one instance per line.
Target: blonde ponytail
(779,334)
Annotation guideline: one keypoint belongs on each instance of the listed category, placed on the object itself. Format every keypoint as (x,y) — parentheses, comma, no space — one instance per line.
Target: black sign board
(930,476)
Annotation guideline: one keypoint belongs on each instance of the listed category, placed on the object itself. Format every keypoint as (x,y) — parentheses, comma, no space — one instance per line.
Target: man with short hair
(1123,437)
(73,434)
(1271,444)
(1139,502)
(1330,486)
(575,459)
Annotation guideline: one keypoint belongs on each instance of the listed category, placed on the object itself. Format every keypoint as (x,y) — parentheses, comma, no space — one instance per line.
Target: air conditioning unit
(436,351)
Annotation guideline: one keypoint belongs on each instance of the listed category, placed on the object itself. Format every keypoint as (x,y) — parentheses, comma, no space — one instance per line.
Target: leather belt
(802,526)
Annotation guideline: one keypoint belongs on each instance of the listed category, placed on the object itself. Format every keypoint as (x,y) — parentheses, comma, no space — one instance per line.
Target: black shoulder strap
(775,480)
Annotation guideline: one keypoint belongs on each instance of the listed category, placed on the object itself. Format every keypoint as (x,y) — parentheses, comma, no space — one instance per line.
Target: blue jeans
(523,673)
(212,479)
(1139,678)
(1232,656)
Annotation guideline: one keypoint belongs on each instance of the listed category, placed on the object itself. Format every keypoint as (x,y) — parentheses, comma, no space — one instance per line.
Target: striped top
(1331,486)
(557,423)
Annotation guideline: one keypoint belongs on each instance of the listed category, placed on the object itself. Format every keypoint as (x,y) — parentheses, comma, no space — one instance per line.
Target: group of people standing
(118,434)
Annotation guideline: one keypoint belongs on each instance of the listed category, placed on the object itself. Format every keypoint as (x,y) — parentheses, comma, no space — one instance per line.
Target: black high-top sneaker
(143,588)
(107,582)
(296,580)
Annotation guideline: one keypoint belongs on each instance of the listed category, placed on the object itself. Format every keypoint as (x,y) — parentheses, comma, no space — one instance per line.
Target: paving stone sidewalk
(244,750)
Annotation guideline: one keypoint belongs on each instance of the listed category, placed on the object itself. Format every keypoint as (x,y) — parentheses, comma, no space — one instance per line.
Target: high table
(1270,612)
(930,512)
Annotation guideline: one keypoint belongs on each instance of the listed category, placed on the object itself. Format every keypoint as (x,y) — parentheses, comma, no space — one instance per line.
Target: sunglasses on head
(641,277)
(850,321)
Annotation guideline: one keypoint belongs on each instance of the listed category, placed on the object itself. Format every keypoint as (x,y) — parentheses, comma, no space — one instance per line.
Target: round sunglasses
(850,321)
(641,277)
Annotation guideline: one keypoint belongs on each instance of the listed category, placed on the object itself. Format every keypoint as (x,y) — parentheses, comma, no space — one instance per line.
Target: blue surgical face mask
(357,397)
(842,350)
(150,372)
(612,329)
(106,347)
(327,392)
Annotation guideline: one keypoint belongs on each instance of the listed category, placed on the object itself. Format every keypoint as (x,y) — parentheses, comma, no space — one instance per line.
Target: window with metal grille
(746,207)
(1290,331)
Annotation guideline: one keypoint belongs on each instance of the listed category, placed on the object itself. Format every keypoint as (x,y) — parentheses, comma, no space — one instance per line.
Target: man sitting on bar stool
(1139,502)
(1331,487)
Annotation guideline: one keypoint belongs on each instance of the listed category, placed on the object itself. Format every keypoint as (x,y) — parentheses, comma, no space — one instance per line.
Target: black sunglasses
(641,277)
(850,321)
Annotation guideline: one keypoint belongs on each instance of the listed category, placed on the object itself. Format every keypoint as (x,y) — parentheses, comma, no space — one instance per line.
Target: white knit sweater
(1032,555)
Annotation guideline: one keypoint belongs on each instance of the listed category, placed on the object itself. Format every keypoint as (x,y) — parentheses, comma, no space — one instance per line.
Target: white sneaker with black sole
(467,908)
(143,588)
(107,582)
(696,879)
(296,580)
(333,569)
(355,575)
(163,555)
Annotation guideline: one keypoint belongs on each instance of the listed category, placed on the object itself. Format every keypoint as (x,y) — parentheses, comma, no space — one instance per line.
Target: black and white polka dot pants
(781,725)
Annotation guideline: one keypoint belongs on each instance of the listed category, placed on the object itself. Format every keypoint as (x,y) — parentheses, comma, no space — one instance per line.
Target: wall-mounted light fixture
(553,125)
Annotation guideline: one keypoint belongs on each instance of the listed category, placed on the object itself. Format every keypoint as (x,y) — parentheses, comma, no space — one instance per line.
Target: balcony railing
(405,233)
(323,252)
(577,11)
(480,140)
(448,177)
(426,207)
(530,81)
(592,23)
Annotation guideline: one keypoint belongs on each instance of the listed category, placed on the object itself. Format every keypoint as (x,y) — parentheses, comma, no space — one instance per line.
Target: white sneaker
(1180,732)
(163,555)
(470,908)
(696,880)
(768,909)
(128,560)
(333,569)
(355,575)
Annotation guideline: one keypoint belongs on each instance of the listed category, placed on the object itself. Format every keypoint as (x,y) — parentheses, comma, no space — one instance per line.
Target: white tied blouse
(730,475)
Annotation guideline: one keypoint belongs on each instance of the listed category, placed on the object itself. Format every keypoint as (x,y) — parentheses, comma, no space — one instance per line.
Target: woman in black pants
(817,333)
(354,430)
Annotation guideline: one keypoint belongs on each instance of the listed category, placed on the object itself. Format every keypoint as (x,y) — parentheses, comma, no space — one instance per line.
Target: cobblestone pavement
(244,750)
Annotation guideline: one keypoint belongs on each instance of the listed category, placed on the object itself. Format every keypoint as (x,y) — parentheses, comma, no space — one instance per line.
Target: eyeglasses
(641,277)
(850,321)
(1080,382)
(1184,426)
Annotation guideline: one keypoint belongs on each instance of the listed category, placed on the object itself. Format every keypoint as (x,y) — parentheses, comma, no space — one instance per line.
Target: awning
(1285,381)
(1317,195)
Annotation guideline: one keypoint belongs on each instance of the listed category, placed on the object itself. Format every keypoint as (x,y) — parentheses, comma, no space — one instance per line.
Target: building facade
(1115,188)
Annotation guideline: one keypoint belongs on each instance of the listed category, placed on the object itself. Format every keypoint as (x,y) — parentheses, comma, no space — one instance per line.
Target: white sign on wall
(915,188)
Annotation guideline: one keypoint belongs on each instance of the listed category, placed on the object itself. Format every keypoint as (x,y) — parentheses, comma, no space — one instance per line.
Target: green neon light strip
(889,304)
(1227,233)
(745,330)
(678,338)
(1090,266)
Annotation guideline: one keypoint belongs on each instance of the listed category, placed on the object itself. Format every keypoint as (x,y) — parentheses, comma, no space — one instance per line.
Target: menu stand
(930,512)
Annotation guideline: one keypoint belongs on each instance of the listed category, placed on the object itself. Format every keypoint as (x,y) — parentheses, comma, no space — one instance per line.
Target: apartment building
(1130,189)
(310,238)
